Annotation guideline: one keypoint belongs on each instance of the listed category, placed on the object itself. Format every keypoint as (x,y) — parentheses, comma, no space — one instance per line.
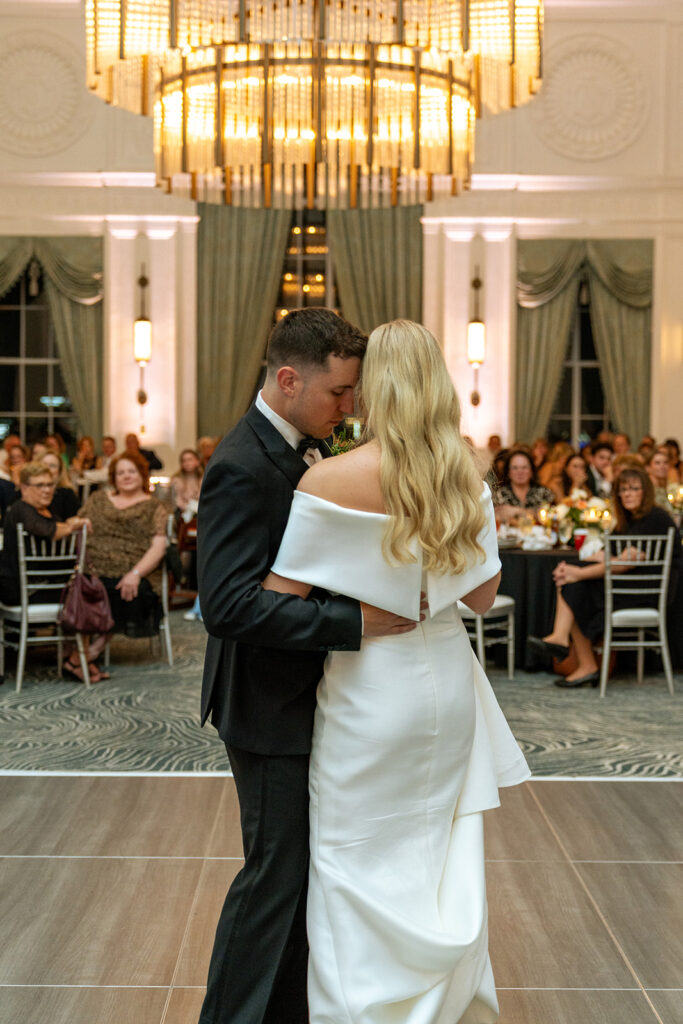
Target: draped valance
(620,277)
(72,268)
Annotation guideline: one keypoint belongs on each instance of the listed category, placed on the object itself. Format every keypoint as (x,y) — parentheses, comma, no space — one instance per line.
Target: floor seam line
(596,907)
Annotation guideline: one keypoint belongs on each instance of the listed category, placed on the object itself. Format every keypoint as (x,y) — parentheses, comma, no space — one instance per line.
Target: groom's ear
(288,380)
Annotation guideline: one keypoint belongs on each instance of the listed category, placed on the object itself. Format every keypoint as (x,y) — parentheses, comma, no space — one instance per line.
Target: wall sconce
(476,339)
(142,346)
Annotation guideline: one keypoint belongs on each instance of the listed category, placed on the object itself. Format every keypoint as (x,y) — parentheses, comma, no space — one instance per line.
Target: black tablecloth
(527,576)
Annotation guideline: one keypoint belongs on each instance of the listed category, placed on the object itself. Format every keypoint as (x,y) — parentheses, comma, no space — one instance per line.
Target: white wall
(597,154)
(71,165)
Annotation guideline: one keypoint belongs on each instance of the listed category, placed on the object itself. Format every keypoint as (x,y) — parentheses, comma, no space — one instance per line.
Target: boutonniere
(341,443)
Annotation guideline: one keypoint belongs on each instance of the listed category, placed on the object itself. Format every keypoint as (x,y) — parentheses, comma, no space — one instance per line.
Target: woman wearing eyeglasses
(580,611)
(32,510)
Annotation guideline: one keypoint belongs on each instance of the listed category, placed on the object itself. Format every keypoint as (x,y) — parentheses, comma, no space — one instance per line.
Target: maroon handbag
(85,605)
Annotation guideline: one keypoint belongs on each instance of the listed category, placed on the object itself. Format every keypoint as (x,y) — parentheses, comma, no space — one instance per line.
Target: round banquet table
(527,576)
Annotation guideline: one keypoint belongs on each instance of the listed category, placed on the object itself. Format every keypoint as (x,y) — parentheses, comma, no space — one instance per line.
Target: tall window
(580,411)
(307,278)
(33,398)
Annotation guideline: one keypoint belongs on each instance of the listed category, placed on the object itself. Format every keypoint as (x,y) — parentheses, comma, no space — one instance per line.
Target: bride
(409,744)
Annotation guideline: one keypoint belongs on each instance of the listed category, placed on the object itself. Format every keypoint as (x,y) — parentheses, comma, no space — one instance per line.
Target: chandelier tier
(314,102)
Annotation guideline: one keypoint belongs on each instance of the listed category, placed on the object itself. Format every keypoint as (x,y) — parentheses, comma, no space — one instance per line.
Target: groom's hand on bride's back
(378,622)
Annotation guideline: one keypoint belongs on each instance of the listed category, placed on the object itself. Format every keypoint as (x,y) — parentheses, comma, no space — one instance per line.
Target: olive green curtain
(73,284)
(240,252)
(377,257)
(620,276)
(547,286)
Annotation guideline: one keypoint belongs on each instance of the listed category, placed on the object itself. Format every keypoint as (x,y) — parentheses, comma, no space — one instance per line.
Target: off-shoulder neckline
(343,508)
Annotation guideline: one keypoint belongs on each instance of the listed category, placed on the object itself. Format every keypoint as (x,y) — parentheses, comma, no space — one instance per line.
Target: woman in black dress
(580,611)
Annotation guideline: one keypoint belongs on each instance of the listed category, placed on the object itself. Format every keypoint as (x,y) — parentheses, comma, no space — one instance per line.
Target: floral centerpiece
(675,496)
(580,511)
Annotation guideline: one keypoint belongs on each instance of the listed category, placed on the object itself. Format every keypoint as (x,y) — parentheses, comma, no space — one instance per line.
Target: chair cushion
(36,612)
(645,617)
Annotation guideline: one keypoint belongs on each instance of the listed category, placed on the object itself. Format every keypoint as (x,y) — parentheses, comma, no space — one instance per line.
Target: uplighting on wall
(142,346)
(476,339)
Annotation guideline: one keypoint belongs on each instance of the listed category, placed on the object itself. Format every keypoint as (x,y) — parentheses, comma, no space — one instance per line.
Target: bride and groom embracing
(341,582)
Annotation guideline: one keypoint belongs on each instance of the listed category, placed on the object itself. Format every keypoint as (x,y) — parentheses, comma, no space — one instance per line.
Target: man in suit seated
(150,457)
(600,468)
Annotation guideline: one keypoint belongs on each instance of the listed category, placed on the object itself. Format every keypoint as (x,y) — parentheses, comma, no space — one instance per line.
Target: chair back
(48,564)
(648,558)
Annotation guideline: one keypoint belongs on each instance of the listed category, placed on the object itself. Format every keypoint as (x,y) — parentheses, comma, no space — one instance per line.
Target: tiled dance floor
(111,887)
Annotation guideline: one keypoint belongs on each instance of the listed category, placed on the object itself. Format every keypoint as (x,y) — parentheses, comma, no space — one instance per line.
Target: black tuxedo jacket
(265,651)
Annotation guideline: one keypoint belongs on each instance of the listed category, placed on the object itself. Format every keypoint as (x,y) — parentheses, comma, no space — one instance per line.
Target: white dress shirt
(290,433)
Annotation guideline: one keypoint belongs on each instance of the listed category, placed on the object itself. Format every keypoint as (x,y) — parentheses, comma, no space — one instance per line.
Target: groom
(264,658)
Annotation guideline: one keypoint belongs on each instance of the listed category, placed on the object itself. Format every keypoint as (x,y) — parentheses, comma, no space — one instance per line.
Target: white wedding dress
(409,747)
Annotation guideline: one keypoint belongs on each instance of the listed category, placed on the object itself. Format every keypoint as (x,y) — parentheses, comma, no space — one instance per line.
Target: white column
(497,374)
(120,371)
(456,275)
(432,278)
(167,248)
(186,337)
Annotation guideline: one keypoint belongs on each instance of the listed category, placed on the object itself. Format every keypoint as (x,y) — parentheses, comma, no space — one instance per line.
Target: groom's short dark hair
(306,337)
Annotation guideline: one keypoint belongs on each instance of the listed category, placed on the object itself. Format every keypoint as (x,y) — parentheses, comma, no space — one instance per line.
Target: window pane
(37,339)
(586,335)
(559,429)
(592,401)
(13,296)
(9,387)
(9,334)
(563,402)
(8,425)
(36,428)
(67,428)
(593,426)
(36,388)
(60,400)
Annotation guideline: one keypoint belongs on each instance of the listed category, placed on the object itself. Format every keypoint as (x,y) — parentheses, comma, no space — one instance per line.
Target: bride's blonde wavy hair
(429,482)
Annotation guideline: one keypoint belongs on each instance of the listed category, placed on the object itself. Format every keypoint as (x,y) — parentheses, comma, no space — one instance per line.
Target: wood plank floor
(110,888)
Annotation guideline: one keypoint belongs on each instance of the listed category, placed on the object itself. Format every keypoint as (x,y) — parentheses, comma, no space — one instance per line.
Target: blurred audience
(86,457)
(621,444)
(65,498)
(108,449)
(132,447)
(600,468)
(206,446)
(658,468)
(16,460)
(575,476)
(519,488)
(186,481)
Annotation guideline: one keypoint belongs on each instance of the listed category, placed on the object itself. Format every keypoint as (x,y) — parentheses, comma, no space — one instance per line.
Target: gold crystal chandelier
(316,103)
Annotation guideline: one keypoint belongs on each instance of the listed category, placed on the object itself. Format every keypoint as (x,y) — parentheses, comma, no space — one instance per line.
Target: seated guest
(539,452)
(575,476)
(187,481)
(38,449)
(658,468)
(580,609)
(16,460)
(9,442)
(550,473)
(676,474)
(494,445)
(55,443)
(206,446)
(85,457)
(132,447)
(128,545)
(108,449)
(64,502)
(519,488)
(621,444)
(600,468)
(32,510)
(8,495)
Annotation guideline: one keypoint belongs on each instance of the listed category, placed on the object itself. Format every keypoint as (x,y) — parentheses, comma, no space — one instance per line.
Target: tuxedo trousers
(257,973)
